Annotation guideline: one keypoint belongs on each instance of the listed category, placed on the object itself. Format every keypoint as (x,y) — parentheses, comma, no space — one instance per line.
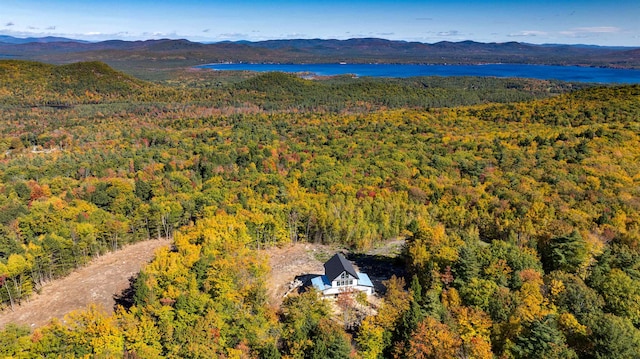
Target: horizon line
(208,42)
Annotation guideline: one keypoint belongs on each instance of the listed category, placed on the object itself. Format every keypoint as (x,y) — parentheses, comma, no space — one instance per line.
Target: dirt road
(97,282)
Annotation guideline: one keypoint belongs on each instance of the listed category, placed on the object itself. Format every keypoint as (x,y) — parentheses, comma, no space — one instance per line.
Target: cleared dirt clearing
(291,261)
(98,282)
(305,260)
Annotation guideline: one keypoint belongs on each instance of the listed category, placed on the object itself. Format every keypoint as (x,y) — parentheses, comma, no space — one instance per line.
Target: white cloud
(233,35)
(9,24)
(528,33)
(295,35)
(155,35)
(585,31)
(599,29)
(102,36)
(449,33)
(21,33)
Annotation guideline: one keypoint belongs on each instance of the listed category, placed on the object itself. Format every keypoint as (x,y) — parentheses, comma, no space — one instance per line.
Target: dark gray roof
(338,264)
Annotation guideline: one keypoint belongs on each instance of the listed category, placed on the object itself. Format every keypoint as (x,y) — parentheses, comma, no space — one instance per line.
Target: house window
(350,281)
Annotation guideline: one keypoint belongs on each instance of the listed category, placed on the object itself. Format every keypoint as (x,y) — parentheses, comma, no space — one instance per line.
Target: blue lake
(544,72)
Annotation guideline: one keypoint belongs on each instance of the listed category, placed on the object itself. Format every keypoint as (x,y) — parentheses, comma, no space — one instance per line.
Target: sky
(607,23)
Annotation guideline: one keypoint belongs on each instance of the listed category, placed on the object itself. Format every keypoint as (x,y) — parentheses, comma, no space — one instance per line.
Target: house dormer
(340,271)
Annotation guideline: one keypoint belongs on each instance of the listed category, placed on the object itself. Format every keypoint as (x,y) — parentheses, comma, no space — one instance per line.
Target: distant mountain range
(18,40)
(166,53)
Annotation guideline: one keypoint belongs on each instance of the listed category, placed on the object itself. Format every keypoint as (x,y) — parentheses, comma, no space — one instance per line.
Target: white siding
(337,290)
(345,281)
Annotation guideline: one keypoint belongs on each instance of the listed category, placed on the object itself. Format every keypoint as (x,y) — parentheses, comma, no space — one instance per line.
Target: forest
(518,200)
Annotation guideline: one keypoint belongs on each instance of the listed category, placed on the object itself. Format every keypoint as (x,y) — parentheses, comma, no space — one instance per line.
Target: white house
(340,276)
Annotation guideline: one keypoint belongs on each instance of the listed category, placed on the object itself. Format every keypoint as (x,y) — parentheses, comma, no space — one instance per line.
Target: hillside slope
(88,82)
(26,83)
(510,211)
(321,50)
(97,283)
